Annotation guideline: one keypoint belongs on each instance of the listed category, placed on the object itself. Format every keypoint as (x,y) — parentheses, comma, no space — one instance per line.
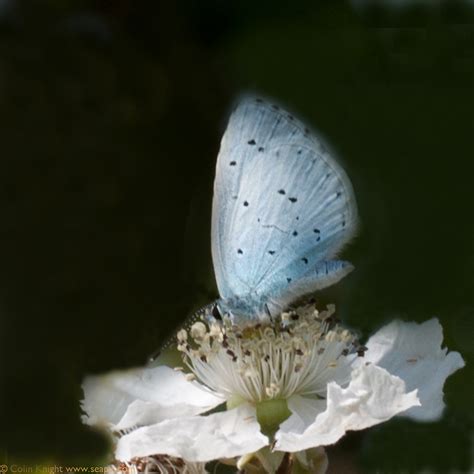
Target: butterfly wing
(282,206)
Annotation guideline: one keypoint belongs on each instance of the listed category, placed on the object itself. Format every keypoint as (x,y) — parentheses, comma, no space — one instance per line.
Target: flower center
(296,353)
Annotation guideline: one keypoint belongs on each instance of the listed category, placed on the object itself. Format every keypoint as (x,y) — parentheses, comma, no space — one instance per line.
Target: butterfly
(282,209)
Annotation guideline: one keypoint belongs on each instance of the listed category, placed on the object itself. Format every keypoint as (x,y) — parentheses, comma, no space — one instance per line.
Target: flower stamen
(297,353)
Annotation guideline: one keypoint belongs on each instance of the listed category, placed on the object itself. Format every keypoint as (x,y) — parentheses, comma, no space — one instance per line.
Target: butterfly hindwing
(282,205)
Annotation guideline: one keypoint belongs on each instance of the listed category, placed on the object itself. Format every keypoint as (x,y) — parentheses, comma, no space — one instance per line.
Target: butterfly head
(244,309)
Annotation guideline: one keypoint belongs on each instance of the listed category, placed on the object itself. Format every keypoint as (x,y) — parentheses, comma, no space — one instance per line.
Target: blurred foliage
(111,117)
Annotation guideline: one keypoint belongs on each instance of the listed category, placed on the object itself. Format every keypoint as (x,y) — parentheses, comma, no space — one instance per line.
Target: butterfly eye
(216,313)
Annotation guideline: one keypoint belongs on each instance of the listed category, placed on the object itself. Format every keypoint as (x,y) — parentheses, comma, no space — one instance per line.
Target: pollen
(198,331)
(182,336)
(296,353)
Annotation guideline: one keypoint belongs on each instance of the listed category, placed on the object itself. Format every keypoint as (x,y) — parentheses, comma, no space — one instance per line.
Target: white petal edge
(126,398)
(198,438)
(413,352)
(304,411)
(372,396)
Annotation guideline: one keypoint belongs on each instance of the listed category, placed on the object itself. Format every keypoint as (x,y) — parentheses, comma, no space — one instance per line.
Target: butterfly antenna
(199,315)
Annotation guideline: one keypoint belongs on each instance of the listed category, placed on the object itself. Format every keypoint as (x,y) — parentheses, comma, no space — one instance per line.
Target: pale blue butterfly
(282,209)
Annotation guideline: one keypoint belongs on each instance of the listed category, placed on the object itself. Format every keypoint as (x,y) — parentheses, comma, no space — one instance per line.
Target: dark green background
(108,140)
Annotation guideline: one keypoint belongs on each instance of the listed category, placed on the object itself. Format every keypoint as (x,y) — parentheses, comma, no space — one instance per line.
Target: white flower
(294,384)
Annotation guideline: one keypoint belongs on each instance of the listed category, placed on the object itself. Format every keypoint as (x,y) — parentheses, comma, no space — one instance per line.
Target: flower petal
(142,396)
(197,438)
(304,411)
(413,352)
(372,396)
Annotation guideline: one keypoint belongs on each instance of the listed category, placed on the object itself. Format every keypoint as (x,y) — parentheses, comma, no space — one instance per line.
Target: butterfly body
(282,209)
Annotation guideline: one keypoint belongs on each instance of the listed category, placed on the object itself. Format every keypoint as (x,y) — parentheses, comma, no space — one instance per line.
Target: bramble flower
(292,385)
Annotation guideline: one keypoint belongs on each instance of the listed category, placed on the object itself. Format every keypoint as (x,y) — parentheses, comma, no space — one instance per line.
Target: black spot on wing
(294,234)
(233,163)
(293,199)
(252,142)
(304,260)
(281,191)
(246,203)
(288,279)
(239,251)
(260,149)
(271,252)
